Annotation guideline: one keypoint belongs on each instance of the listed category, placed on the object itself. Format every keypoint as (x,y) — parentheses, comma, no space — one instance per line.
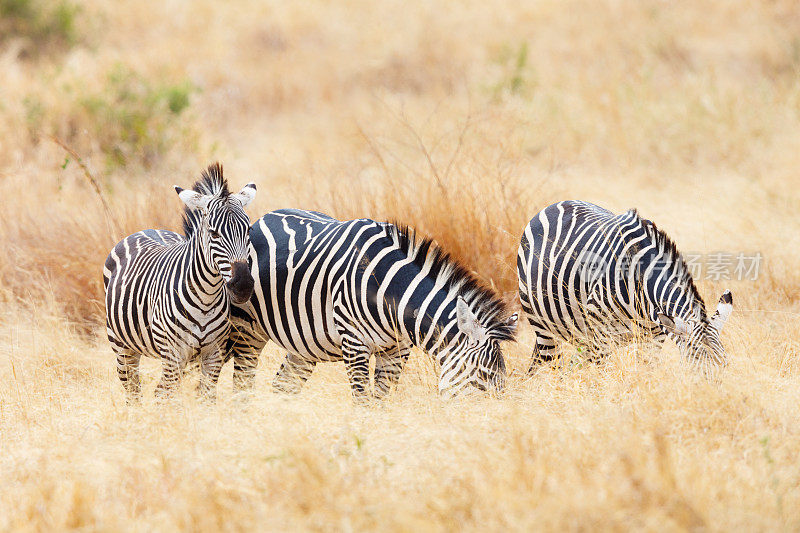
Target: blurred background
(462,119)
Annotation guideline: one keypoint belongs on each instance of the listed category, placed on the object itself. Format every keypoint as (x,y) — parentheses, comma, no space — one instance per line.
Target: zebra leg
(210,367)
(354,352)
(172,365)
(543,351)
(128,372)
(595,353)
(293,374)
(388,367)
(245,360)
(356,361)
(244,371)
(244,347)
(193,365)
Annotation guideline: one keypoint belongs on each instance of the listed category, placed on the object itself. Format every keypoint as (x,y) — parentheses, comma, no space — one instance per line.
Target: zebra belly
(302,343)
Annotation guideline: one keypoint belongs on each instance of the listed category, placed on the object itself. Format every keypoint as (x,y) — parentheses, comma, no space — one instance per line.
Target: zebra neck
(441,344)
(203,278)
(664,292)
(441,330)
(430,325)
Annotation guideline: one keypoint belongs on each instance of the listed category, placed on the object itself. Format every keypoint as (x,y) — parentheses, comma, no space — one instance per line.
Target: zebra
(593,278)
(330,290)
(169,296)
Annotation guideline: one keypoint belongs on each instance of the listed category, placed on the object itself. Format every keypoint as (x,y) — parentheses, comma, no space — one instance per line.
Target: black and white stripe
(168,296)
(327,290)
(594,278)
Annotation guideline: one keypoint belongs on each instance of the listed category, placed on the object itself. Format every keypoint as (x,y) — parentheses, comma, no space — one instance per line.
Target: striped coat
(327,290)
(598,279)
(168,295)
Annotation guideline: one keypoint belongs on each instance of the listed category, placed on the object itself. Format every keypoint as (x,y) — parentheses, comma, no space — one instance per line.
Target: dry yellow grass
(462,119)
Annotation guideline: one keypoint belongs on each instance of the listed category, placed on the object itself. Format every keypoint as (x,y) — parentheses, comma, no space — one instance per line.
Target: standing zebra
(590,276)
(168,296)
(330,291)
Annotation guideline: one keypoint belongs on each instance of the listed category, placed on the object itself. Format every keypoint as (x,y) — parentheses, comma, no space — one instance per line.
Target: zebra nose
(240,286)
(497,378)
(499,383)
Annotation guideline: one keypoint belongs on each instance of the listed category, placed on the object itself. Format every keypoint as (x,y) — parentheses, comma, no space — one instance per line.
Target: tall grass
(462,121)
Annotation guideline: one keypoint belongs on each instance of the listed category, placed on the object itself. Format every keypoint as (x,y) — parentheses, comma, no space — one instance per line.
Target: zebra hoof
(132,400)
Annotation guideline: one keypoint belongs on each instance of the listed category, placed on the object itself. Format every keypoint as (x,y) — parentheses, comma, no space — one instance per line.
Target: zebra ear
(723,311)
(677,326)
(193,199)
(467,321)
(512,322)
(247,194)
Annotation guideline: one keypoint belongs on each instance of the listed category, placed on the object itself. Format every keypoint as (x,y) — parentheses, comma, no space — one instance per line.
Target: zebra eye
(214,234)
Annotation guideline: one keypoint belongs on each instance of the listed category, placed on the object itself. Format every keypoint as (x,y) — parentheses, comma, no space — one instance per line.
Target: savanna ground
(462,119)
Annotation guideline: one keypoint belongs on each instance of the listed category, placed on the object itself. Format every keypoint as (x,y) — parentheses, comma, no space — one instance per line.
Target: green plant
(135,121)
(46,26)
(516,77)
(34,113)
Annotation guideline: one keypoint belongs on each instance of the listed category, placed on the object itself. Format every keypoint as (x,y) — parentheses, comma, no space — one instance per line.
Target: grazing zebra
(595,278)
(328,290)
(168,296)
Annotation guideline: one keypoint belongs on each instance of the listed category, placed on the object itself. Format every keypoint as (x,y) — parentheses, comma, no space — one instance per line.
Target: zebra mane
(491,311)
(667,246)
(211,183)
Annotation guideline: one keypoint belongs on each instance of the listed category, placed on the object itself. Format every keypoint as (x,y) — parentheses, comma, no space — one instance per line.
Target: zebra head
(474,356)
(222,227)
(697,336)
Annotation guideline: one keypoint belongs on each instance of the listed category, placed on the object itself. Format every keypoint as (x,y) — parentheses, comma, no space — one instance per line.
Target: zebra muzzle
(498,384)
(240,286)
